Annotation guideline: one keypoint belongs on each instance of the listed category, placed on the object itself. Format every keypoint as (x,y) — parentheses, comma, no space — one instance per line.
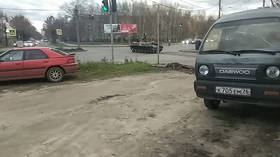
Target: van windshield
(253,34)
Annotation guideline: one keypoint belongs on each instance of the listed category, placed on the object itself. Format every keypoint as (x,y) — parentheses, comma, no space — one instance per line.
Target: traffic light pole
(77,25)
(112,33)
(6,36)
(113,8)
(220,8)
(158,46)
(78,31)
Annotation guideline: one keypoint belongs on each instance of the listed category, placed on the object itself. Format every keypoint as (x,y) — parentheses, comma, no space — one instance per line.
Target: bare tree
(175,25)
(275,3)
(25,30)
(2,36)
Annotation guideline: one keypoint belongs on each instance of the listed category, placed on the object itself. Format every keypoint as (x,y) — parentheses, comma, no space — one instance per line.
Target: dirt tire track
(151,115)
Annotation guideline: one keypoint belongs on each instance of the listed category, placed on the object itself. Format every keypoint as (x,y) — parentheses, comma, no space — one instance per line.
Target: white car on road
(28,44)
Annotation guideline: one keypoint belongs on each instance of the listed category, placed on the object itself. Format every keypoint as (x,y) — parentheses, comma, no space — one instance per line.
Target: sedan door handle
(45,61)
(18,63)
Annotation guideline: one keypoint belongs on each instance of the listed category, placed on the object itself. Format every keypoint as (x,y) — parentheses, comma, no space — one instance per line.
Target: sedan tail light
(71,60)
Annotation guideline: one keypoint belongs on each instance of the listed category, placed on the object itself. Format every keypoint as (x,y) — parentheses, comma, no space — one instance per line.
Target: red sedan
(26,63)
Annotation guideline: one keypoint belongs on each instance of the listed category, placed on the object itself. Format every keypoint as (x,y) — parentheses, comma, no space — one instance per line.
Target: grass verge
(104,70)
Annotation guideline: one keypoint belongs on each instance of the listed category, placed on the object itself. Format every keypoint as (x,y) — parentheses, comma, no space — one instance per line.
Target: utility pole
(112,33)
(129,39)
(76,11)
(220,8)
(158,24)
(4,22)
(5,33)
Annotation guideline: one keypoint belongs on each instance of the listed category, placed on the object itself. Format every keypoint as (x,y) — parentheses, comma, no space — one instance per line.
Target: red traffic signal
(91,16)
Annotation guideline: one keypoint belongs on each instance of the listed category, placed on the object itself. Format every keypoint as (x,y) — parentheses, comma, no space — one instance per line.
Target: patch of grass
(103,70)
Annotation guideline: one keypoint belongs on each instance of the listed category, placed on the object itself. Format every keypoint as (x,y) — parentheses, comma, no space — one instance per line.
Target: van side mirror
(197,44)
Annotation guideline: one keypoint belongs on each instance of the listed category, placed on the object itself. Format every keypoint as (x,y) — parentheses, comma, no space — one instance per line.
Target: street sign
(107,28)
(59,32)
(128,28)
(12,32)
(121,28)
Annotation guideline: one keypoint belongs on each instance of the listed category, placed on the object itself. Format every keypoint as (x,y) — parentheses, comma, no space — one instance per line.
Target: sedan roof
(251,14)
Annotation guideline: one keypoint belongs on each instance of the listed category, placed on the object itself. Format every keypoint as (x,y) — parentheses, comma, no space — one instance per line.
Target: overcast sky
(37,17)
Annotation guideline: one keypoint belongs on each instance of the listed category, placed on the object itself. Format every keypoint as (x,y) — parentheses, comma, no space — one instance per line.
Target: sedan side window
(12,56)
(35,54)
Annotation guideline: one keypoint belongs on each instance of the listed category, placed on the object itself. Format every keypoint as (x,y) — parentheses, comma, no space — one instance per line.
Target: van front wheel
(212,104)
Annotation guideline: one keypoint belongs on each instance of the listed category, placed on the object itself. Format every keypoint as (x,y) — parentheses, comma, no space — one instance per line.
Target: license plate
(233,91)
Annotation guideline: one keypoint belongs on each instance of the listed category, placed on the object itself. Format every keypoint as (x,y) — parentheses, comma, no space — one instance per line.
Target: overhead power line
(234,2)
(191,3)
(180,8)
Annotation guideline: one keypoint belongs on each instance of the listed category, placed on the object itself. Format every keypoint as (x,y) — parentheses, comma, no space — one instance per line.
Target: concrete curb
(190,51)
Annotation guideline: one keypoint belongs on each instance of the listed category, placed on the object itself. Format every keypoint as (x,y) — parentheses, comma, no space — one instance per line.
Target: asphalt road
(169,54)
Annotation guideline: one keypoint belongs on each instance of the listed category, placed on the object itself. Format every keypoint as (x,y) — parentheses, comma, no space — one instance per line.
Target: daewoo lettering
(235,71)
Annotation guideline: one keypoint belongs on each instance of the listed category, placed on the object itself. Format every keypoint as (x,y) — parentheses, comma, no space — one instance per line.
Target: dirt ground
(150,115)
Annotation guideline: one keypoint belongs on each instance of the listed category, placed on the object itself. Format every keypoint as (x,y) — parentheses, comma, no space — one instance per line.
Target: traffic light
(91,16)
(105,6)
(114,5)
(76,10)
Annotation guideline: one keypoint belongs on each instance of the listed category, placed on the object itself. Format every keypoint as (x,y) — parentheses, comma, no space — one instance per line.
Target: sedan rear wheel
(55,74)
